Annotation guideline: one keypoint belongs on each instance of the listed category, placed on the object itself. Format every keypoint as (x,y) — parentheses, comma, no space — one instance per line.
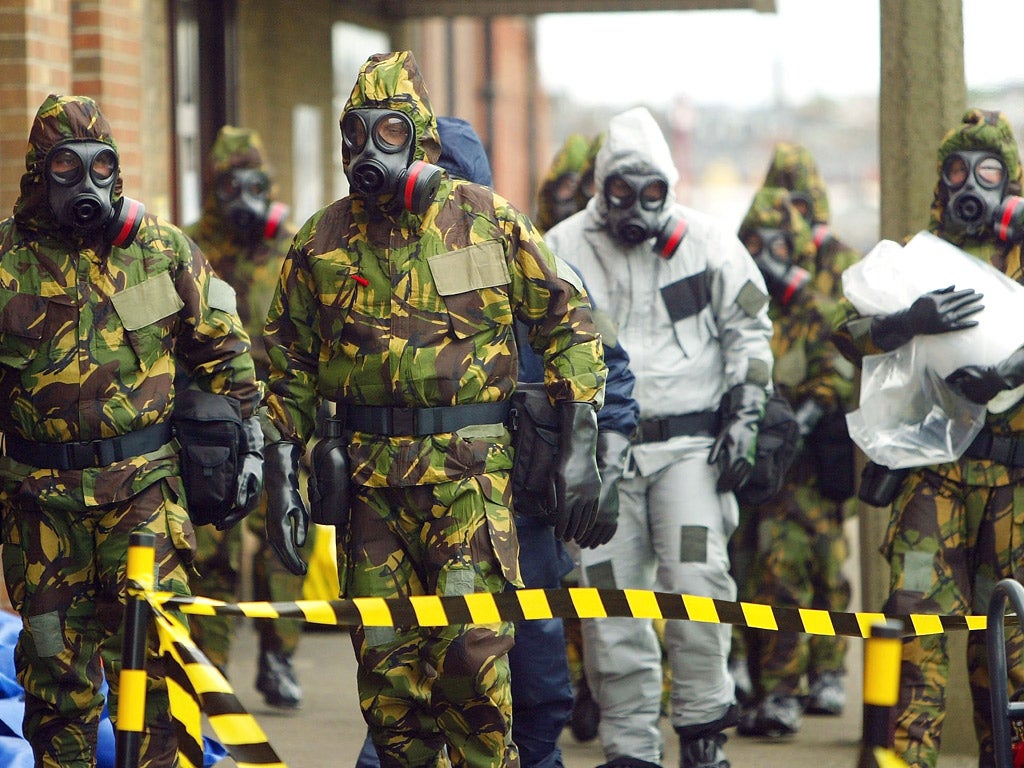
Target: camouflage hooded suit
(90,339)
(956,528)
(799,548)
(251,265)
(401,309)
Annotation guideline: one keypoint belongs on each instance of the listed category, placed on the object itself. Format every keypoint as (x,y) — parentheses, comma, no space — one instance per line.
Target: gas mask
(380,143)
(772,250)
(243,195)
(976,181)
(636,206)
(80,177)
(563,196)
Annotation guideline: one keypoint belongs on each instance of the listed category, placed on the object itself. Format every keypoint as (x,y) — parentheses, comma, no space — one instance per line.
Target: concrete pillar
(922,95)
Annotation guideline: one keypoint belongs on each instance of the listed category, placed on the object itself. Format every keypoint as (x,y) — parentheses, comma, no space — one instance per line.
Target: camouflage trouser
(65,575)
(801,549)
(422,689)
(218,563)
(947,545)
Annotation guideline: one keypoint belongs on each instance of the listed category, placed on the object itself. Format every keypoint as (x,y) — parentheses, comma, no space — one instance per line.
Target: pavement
(328,730)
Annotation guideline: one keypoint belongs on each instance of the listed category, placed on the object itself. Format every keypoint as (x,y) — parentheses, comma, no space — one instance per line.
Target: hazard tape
(572,603)
(197,687)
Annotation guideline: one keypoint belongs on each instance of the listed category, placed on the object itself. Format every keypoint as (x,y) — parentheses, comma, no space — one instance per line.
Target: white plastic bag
(908,415)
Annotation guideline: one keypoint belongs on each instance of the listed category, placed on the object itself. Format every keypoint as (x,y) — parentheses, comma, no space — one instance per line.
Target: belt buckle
(403,421)
(104,452)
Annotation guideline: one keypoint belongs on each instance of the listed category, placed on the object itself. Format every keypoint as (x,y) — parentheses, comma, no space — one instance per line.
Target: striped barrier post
(131,708)
(883,653)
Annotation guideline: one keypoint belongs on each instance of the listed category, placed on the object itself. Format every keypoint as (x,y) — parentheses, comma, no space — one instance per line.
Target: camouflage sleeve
(549,297)
(212,343)
(294,350)
(828,381)
(852,333)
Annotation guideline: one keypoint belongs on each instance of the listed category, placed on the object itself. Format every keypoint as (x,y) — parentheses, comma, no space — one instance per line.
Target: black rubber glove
(612,448)
(980,383)
(250,477)
(577,481)
(939,311)
(736,446)
(287,517)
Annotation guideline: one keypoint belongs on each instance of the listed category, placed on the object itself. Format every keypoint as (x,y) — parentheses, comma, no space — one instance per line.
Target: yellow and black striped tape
(575,603)
(197,687)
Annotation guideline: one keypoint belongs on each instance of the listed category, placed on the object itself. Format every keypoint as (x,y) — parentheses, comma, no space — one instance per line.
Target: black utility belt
(658,430)
(88,453)
(413,422)
(1002,449)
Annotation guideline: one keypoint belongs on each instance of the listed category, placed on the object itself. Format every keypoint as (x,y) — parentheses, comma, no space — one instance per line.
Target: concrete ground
(329,730)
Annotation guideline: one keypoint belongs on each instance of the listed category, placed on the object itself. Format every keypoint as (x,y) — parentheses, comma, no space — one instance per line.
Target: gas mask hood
(80,178)
(381,166)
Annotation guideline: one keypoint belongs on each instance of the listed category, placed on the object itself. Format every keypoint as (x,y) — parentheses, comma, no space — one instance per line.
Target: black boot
(276,681)
(585,714)
(703,752)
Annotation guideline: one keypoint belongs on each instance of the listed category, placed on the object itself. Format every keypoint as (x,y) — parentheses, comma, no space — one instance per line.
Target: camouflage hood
(985,130)
(633,142)
(570,159)
(58,119)
(392,81)
(793,168)
(771,209)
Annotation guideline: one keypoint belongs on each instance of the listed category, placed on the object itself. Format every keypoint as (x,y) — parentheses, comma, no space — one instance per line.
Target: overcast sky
(807,48)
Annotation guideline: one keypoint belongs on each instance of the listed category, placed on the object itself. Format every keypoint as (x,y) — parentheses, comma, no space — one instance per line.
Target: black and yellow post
(883,653)
(131,708)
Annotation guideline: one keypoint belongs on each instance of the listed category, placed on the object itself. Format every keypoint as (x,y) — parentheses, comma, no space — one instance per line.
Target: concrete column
(922,95)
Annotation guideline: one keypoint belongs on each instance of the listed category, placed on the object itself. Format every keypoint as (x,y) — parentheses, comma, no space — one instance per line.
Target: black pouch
(831,449)
(879,485)
(778,439)
(209,429)
(328,486)
(534,426)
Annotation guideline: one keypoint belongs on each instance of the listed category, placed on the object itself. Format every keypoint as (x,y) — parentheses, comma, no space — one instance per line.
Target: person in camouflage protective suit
(557,197)
(91,338)
(795,540)
(793,168)
(246,250)
(955,528)
(396,303)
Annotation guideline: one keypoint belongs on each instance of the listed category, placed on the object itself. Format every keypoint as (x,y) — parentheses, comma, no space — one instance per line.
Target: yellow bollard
(131,708)
(883,654)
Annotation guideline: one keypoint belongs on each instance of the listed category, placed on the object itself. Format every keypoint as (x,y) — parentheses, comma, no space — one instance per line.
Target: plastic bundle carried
(909,416)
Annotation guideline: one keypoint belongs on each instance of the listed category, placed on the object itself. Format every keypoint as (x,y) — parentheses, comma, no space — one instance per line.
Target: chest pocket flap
(685,300)
(470,269)
(146,303)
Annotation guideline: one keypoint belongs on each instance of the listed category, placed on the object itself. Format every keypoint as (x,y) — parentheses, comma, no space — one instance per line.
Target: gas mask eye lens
(954,171)
(619,193)
(652,196)
(228,187)
(754,243)
(65,166)
(392,133)
(565,187)
(990,172)
(353,131)
(103,166)
(779,248)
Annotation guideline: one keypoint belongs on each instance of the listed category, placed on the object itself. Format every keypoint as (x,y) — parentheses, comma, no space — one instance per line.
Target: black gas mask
(976,181)
(243,195)
(80,178)
(380,143)
(636,211)
(772,250)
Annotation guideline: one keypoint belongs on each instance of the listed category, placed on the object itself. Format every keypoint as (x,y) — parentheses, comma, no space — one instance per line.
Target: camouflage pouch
(209,429)
(534,427)
(778,439)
